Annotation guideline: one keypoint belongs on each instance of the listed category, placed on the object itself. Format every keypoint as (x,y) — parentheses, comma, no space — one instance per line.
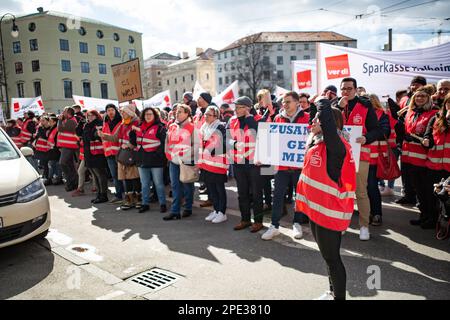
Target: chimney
(185,55)
(40,9)
(198,51)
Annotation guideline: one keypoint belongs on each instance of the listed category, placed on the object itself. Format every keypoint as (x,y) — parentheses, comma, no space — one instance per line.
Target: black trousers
(67,162)
(249,182)
(101,178)
(410,192)
(329,243)
(421,180)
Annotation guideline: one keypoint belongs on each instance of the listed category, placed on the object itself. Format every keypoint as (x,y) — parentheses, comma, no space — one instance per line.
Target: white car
(24,205)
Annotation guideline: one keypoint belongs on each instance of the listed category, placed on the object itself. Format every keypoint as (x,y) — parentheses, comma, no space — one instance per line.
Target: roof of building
(208,54)
(164,56)
(280,37)
(69,16)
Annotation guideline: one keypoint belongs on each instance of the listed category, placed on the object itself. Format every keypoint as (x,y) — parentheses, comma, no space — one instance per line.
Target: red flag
(228,97)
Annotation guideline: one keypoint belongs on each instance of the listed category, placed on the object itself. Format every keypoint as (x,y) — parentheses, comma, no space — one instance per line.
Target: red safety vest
(25,135)
(358,118)
(18,139)
(244,137)
(111,148)
(66,139)
(377,146)
(217,163)
(148,139)
(300,120)
(124,132)
(199,120)
(179,141)
(51,138)
(412,152)
(42,145)
(324,201)
(96,148)
(438,157)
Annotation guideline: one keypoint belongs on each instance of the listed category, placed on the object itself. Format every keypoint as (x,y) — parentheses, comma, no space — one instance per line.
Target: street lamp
(14,34)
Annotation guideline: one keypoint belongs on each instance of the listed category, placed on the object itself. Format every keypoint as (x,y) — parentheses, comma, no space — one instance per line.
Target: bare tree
(251,66)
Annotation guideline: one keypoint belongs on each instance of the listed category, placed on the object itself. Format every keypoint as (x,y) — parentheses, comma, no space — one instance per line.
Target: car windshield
(7,151)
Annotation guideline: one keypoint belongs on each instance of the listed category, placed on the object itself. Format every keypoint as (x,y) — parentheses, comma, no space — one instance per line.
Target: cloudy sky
(174,26)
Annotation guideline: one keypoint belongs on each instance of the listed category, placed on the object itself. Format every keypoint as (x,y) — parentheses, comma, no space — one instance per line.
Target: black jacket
(90,134)
(156,159)
(41,133)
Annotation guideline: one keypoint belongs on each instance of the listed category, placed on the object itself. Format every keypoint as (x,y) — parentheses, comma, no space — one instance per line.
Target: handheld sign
(127,79)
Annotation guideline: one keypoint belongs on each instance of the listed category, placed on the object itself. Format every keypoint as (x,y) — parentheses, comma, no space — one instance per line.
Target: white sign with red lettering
(229,95)
(19,106)
(89,103)
(160,100)
(304,76)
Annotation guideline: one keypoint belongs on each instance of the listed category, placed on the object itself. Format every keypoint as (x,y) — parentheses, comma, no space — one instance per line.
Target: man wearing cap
(241,132)
(188,99)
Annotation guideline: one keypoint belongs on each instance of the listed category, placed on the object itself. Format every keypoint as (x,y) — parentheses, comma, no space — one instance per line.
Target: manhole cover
(155,279)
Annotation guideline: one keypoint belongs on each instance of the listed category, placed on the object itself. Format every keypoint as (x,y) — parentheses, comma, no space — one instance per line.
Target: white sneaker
(387,192)
(271,233)
(297,231)
(220,217)
(326,296)
(211,216)
(364,234)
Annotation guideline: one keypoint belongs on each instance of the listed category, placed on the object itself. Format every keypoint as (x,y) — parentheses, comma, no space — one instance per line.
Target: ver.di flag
(93,103)
(229,95)
(19,106)
(160,100)
(304,78)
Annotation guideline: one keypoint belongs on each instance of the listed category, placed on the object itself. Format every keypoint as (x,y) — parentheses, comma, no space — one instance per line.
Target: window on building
(207,76)
(176,95)
(267,47)
(266,75)
(33,45)
(67,89)
(159,84)
(117,52)
(225,54)
(293,47)
(306,57)
(159,73)
(168,82)
(345,44)
(233,78)
(19,67)
(86,88)
(218,56)
(63,45)
(104,90)
(83,47)
(175,80)
(35,67)
(192,77)
(20,90)
(32,26)
(131,54)
(266,60)
(293,58)
(280,75)
(100,50)
(280,47)
(102,68)
(131,39)
(116,36)
(227,80)
(85,67)
(65,65)
(16,47)
(239,51)
(62,27)
(306,46)
(82,31)
(220,81)
(280,60)
(232,53)
(37,88)
(100,34)
(184,79)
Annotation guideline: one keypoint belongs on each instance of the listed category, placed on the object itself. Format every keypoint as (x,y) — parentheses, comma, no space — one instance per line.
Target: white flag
(19,106)
(197,90)
(93,103)
(279,91)
(160,100)
(229,95)
(304,76)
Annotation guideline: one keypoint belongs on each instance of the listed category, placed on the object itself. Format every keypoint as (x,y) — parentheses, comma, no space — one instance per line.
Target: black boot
(144,208)
(172,216)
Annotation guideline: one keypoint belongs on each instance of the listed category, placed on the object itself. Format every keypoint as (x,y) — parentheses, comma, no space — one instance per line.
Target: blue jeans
(282,180)
(148,176)
(179,189)
(218,195)
(373,192)
(54,169)
(112,165)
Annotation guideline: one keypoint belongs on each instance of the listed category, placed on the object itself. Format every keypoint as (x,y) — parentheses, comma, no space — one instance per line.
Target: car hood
(16,174)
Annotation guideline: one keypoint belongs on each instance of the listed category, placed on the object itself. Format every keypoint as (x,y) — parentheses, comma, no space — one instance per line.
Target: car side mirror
(27,152)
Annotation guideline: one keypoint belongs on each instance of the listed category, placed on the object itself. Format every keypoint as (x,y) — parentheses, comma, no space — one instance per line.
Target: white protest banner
(197,90)
(93,103)
(229,95)
(382,73)
(160,100)
(279,91)
(304,76)
(19,106)
(284,144)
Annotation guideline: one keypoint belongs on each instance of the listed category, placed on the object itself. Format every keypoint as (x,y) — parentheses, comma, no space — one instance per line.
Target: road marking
(59,238)
(111,295)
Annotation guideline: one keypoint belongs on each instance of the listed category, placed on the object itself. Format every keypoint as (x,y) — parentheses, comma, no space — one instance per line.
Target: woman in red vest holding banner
(326,191)
(94,155)
(213,163)
(414,153)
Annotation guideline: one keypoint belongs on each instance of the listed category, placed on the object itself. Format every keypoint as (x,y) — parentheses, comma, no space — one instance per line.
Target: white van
(24,205)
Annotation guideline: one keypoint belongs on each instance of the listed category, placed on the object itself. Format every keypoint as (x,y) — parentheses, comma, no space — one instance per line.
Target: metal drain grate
(155,279)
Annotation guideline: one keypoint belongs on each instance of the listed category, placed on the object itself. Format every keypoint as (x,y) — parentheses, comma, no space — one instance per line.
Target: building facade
(153,69)
(56,56)
(181,76)
(276,50)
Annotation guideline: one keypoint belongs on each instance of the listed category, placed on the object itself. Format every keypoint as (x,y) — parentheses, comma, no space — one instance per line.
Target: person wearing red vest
(358,111)
(414,153)
(179,149)
(128,174)
(94,155)
(41,146)
(149,138)
(242,129)
(68,144)
(13,131)
(203,101)
(28,129)
(326,191)
(410,197)
(213,163)
(292,113)
(53,155)
(377,147)
(111,126)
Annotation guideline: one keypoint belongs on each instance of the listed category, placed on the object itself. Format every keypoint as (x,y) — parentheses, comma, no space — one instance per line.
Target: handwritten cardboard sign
(127,79)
